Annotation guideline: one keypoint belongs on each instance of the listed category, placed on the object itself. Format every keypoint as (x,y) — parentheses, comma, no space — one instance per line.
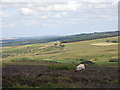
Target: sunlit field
(96,50)
(104,44)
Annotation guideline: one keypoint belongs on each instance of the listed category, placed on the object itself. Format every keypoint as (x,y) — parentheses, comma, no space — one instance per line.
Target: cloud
(30,22)
(26,11)
(35,1)
(100,1)
(103,6)
(97,1)
(92,1)
(70,6)
(29,12)
(7,25)
(60,15)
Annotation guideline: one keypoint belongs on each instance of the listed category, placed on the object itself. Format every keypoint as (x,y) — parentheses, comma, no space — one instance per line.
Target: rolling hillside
(97,50)
(49,65)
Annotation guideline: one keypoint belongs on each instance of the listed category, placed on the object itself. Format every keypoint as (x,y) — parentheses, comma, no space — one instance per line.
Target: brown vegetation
(44,77)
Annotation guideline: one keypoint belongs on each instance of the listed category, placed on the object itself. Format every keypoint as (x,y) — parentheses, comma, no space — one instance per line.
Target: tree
(62,46)
(107,41)
(114,41)
(55,44)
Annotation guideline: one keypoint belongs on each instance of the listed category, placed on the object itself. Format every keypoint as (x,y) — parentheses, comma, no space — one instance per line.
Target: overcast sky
(57,17)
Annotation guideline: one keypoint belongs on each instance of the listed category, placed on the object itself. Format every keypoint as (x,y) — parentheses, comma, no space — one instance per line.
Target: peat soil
(22,76)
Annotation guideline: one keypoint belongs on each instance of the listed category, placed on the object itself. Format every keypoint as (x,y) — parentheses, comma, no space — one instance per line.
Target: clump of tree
(55,44)
(60,44)
(4,56)
(112,41)
(81,59)
(114,60)
(87,62)
(84,61)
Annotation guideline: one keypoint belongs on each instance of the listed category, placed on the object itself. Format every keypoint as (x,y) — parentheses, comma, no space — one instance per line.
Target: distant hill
(90,36)
(63,39)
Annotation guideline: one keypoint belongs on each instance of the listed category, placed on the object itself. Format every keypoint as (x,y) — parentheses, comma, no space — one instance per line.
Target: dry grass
(104,44)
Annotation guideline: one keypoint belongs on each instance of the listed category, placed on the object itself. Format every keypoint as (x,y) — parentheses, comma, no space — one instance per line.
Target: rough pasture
(20,76)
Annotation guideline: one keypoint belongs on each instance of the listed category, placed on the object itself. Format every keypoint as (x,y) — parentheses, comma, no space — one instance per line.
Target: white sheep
(80,67)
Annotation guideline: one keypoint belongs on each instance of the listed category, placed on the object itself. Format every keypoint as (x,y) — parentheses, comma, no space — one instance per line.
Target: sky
(27,18)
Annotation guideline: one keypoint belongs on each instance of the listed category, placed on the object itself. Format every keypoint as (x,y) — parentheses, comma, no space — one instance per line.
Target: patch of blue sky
(10,10)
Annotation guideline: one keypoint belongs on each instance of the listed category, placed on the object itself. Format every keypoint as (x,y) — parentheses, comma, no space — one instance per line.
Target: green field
(98,51)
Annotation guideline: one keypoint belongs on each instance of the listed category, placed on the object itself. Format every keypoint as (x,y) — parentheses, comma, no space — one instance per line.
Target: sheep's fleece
(80,67)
